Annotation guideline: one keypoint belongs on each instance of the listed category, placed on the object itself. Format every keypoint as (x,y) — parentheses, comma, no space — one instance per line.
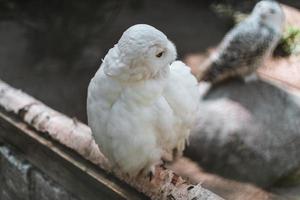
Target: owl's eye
(160,54)
(272,11)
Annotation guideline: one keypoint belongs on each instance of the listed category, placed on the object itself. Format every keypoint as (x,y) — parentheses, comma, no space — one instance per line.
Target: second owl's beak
(263,16)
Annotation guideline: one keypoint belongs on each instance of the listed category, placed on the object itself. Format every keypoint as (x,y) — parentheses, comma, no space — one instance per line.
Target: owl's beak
(263,16)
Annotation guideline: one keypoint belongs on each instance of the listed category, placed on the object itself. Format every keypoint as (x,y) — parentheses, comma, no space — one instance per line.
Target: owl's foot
(167,157)
(177,152)
(149,172)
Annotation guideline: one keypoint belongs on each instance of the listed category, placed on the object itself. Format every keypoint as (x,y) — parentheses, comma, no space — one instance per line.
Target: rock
(248,132)
(19,180)
(14,176)
(45,189)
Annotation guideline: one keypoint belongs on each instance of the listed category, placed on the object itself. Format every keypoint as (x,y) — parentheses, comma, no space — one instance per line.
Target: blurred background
(51,49)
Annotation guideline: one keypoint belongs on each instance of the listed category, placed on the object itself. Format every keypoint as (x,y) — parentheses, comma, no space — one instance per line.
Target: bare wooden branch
(77,136)
(227,188)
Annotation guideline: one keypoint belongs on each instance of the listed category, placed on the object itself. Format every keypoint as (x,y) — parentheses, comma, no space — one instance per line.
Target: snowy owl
(247,45)
(141,104)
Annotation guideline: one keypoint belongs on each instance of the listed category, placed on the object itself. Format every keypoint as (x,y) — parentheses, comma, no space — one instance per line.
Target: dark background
(51,49)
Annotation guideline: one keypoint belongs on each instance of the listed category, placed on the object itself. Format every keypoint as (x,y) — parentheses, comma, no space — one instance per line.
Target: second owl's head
(269,12)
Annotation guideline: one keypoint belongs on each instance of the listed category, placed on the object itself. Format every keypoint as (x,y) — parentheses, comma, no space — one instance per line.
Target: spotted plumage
(247,45)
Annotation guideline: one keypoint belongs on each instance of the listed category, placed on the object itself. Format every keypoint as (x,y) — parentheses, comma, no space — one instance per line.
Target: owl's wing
(244,44)
(239,52)
(182,91)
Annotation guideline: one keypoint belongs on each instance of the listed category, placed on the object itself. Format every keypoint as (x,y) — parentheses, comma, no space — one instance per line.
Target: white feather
(140,108)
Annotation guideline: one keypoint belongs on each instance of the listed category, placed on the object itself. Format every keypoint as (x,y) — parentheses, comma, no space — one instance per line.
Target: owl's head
(143,52)
(270,13)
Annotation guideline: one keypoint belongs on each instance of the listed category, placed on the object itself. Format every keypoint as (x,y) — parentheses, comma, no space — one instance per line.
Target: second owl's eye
(160,54)
(272,11)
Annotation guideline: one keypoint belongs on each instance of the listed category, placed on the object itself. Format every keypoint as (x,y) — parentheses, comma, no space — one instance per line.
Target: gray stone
(247,131)
(15,181)
(21,181)
(45,189)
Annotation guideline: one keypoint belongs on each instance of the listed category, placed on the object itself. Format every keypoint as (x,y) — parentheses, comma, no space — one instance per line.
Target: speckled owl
(247,45)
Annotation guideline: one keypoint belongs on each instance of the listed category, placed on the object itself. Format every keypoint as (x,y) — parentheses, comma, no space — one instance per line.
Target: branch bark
(77,136)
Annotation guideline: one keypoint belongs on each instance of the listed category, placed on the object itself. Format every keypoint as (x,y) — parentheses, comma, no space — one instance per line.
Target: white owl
(141,104)
(247,45)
